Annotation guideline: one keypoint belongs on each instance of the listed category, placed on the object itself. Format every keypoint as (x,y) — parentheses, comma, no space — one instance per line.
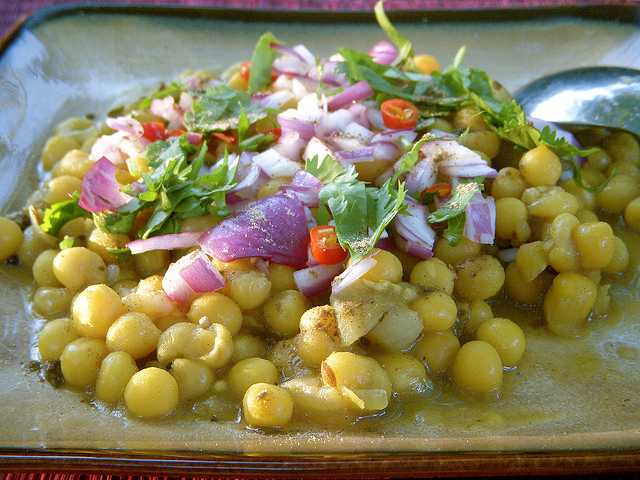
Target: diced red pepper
(154,131)
(325,247)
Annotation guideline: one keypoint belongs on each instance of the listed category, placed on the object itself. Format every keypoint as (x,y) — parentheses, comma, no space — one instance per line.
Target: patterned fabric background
(11,10)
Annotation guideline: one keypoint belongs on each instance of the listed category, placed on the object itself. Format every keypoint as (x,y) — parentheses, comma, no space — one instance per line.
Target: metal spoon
(607,97)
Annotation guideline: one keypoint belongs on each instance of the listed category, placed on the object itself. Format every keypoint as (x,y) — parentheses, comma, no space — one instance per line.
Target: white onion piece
(316,148)
(288,123)
(421,176)
(353,273)
(354,93)
(480,222)
(126,124)
(194,273)
(333,122)
(507,255)
(455,160)
(171,241)
(309,108)
(298,89)
(290,145)
(314,280)
(275,164)
(413,228)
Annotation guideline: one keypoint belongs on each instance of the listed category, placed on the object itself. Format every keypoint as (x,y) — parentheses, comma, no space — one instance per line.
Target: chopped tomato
(325,247)
(154,131)
(440,189)
(245,72)
(276,132)
(399,114)
(225,137)
(175,133)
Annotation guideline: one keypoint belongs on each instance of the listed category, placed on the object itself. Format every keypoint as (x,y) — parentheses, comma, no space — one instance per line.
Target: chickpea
(312,398)
(150,299)
(213,345)
(632,214)
(73,125)
(247,346)
(511,220)
(426,64)
(100,242)
(469,118)
(10,238)
(75,163)
(33,244)
(272,187)
(43,269)
(266,405)
(568,303)
(52,302)
(506,337)
(133,333)
(436,350)
(407,374)
(387,268)
(485,142)
(540,166)
(77,228)
(116,370)
(433,274)
(283,311)
(561,252)
(586,216)
(194,378)
(54,337)
(440,123)
(622,147)
(437,310)
(618,193)
(397,330)
(249,289)
(620,259)
(549,202)
(152,262)
(592,177)
(77,267)
(599,160)
(314,346)
(281,277)
(165,322)
(531,260)
(55,148)
(474,314)
(218,309)
(508,183)
(454,254)
(586,199)
(479,278)
(477,368)
(595,243)
(151,392)
(286,359)
(625,168)
(523,291)
(61,188)
(80,361)
(95,309)
(250,371)
(361,379)
(603,301)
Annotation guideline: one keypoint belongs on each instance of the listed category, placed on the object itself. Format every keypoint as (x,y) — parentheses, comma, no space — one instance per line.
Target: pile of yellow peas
(261,343)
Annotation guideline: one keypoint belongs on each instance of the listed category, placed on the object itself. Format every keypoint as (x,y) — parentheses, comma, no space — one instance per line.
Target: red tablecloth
(11,10)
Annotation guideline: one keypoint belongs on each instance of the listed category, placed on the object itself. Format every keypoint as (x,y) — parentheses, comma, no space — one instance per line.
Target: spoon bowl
(605,97)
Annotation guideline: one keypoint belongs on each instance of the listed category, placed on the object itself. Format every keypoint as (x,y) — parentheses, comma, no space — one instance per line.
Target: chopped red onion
(360,114)
(126,124)
(311,260)
(385,151)
(455,160)
(353,273)
(100,191)
(480,222)
(356,156)
(333,122)
(331,75)
(384,52)
(305,129)
(118,147)
(315,280)
(300,52)
(192,274)
(276,100)
(194,138)
(309,108)
(356,130)
(385,244)
(421,176)
(170,241)
(166,108)
(305,187)
(290,145)
(273,228)
(186,102)
(375,118)
(291,65)
(414,235)
(354,93)
(395,135)
(316,148)
(275,164)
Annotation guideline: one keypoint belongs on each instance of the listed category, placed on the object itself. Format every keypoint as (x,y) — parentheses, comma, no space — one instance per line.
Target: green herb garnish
(58,214)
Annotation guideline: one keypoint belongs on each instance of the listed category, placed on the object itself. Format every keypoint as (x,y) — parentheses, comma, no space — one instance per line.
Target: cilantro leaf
(58,214)
(328,170)
(220,109)
(261,63)
(409,159)
(174,89)
(402,43)
(456,204)
(67,242)
(455,229)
